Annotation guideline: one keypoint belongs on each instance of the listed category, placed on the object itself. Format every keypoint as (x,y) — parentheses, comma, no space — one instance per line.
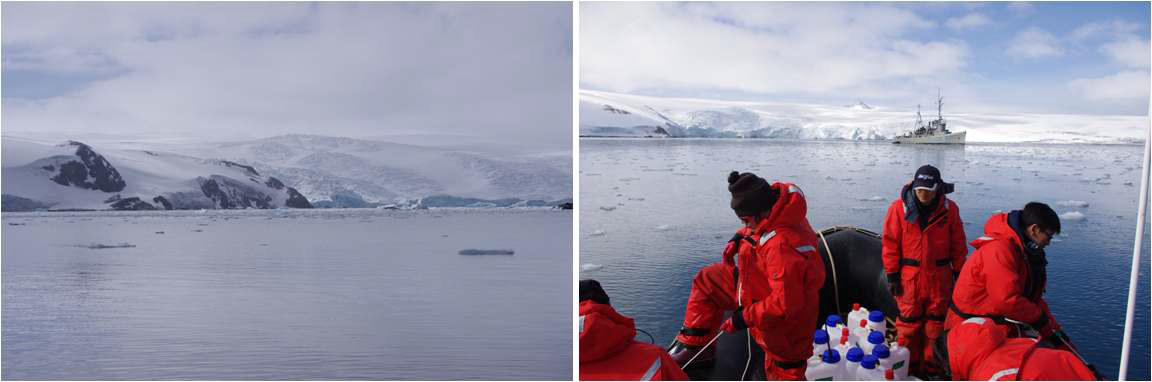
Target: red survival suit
(780,275)
(608,352)
(980,350)
(1002,279)
(926,260)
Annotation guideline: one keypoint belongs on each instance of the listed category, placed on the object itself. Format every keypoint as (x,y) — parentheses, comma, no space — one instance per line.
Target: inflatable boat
(854,273)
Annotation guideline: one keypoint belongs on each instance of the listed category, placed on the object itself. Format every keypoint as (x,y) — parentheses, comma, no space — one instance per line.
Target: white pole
(1132,282)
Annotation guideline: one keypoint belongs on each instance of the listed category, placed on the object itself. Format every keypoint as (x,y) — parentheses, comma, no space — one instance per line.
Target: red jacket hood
(603,332)
(997,227)
(790,210)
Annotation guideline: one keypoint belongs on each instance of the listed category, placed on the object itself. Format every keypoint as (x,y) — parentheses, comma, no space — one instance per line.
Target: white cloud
(1105,29)
(968,21)
(1126,85)
(757,47)
(1132,52)
(1034,43)
(1021,7)
(487,69)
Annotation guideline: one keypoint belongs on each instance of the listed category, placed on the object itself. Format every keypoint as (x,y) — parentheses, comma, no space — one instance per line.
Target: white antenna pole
(1132,282)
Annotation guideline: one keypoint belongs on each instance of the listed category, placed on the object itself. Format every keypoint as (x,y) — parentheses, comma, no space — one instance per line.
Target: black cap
(591,290)
(751,194)
(928,178)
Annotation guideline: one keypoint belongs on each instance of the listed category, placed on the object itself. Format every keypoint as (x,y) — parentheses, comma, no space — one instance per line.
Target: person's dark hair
(1041,215)
(591,290)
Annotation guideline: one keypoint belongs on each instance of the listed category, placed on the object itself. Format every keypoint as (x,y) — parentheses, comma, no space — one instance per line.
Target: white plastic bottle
(900,356)
(876,321)
(869,370)
(852,362)
(819,345)
(829,369)
(858,313)
(832,323)
(883,356)
(861,331)
(845,341)
(874,338)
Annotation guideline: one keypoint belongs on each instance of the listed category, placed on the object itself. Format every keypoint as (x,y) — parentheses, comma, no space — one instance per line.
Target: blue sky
(1010,57)
(241,70)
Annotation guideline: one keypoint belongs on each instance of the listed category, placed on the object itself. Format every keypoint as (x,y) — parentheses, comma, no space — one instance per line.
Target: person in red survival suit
(923,251)
(1005,277)
(981,350)
(770,279)
(608,351)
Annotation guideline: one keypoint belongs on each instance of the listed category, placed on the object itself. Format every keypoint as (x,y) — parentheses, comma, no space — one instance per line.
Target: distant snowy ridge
(605,114)
(282,171)
(74,175)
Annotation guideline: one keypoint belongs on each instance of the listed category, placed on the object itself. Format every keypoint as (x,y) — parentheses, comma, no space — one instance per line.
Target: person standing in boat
(923,250)
(1006,276)
(608,351)
(770,278)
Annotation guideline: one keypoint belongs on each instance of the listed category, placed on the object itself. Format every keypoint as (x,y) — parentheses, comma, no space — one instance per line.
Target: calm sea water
(320,294)
(654,211)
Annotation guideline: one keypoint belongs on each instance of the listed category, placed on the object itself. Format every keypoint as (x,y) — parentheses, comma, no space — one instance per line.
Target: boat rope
(1133,279)
(835,284)
(651,340)
(748,362)
(1071,347)
(701,351)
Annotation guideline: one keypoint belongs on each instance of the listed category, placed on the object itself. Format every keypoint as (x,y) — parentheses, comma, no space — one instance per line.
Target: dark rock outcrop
(228,193)
(163,202)
(296,200)
(91,171)
(132,204)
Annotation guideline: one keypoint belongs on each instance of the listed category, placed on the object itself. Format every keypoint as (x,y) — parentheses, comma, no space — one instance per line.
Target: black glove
(738,319)
(894,286)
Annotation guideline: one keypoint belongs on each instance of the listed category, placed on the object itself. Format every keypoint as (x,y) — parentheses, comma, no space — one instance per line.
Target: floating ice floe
(663,227)
(106,246)
(589,267)
(1072,203)
(598,232)
(608,208)
(480,252)
(1072,216)
(873,199)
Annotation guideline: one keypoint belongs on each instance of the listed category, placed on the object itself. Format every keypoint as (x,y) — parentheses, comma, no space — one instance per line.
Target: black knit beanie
(751,194)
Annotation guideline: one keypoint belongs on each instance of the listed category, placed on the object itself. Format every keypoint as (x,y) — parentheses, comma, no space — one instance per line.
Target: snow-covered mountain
(604,114)
(324,171)
(74,175)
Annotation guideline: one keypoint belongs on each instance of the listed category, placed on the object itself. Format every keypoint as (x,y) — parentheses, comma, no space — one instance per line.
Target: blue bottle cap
(831,356)
(832,320)
(855,354)
(820,337)
(869,362)
(880,351)
(876,316)
(876,338)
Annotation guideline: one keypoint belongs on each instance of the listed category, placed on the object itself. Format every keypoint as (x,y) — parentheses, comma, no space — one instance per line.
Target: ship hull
(946,139)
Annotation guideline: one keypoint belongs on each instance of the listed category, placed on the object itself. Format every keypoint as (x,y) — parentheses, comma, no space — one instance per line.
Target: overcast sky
(1087,57)
(257,69)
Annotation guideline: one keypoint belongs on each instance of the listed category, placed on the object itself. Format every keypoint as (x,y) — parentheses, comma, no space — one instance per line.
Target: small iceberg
(1072,203)
(607,208)
(1072,216)
(481,252)
(589,267)
(598,232)
(873,199)
(663,227)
